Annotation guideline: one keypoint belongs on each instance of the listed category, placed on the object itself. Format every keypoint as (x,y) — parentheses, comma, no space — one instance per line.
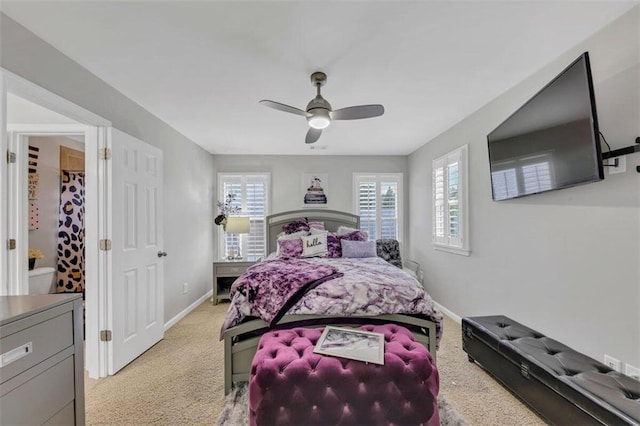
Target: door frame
(97,131)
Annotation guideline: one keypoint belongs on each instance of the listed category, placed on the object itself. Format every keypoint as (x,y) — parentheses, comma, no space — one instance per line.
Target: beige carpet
(180,381)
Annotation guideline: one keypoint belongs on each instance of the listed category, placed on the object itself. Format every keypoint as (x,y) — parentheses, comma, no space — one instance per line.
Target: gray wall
(563,262)
(286,175)
(188,174)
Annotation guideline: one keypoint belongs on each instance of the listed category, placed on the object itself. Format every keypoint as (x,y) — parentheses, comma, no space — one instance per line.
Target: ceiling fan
(319,113)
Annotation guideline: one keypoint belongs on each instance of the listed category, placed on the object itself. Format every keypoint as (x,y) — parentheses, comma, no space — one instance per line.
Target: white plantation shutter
(449,199)
(251,195)
(367,207)
(256,209)
(439,235)
(232,185)
(378,201)
(389,209)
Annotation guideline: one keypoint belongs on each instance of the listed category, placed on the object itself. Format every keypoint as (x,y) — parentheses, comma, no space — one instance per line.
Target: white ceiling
(202,66)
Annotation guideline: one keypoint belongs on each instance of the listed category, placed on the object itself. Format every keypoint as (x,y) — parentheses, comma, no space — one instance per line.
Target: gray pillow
(358,249)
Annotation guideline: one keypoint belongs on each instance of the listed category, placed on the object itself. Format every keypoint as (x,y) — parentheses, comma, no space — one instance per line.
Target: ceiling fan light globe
(319,118)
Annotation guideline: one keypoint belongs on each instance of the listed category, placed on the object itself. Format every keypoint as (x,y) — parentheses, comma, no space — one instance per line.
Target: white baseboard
(173,321)
(448,313)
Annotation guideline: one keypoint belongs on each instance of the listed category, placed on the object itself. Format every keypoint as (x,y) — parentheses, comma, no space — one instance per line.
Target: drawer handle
(15,354)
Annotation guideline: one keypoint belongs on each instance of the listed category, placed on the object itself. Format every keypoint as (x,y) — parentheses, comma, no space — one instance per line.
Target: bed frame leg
(228,367)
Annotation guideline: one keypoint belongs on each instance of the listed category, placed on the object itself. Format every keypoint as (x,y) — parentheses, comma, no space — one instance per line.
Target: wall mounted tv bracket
(622,151)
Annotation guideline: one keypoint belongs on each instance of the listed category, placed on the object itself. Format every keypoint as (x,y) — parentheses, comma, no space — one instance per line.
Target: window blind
(449,181)
(251,195)
(377,202)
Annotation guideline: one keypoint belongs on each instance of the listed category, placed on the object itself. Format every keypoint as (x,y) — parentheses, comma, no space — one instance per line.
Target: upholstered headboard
(332,221)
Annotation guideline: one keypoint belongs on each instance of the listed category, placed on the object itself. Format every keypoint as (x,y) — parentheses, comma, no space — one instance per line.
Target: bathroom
(56,214)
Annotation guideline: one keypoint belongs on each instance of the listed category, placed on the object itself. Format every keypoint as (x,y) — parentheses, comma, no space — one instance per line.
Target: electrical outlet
(185,288)
(622,165)
(611,362)
(633,372)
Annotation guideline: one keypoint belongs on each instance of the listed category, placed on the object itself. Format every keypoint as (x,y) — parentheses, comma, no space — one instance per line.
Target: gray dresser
(42,364)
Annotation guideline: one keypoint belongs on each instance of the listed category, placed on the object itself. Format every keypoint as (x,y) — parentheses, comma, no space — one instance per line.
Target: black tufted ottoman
(561,384)
(291,385)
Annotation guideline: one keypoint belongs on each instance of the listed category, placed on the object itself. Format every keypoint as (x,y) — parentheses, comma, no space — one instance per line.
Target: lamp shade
(238,225)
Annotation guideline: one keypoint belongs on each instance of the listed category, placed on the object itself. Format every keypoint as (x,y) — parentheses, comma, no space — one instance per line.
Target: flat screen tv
(552,141)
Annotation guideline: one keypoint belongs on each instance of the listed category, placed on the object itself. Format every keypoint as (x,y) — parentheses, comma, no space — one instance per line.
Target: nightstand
(225,273)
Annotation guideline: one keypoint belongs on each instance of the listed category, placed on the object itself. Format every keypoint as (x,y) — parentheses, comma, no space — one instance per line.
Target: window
(251,192)
(378,202)
(450,201)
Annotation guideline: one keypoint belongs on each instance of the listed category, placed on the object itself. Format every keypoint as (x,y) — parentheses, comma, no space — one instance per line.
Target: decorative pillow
(288,249)
(295,226)
(316,225)
(314,245)
(389,250)
(334,248)
(358,248)
(354,236)
(344,230)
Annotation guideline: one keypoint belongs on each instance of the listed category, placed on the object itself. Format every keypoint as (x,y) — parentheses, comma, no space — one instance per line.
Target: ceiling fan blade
(283,107)
(357,112)
(312,135)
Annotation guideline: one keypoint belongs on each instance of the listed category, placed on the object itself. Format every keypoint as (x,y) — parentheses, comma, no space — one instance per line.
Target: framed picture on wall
(315,189)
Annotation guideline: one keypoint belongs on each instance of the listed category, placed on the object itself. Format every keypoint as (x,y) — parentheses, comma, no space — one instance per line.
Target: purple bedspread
(273,286)
(368,286)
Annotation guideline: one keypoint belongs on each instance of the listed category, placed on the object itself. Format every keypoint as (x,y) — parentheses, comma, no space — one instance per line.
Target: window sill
(454,250)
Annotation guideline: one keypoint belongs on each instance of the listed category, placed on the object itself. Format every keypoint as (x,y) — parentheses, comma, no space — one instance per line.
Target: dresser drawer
(66,416)
(40,398)
(47,338)
(230,271)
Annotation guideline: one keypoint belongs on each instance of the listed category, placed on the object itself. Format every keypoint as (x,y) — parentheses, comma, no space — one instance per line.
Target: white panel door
(136,298)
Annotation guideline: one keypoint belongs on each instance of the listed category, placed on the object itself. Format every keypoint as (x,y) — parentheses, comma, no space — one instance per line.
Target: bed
(241,340)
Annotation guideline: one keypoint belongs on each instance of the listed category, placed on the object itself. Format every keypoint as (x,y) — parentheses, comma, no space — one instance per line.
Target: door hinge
(105,245)
(105,153)
(11,157)
(11,244)
(105,335)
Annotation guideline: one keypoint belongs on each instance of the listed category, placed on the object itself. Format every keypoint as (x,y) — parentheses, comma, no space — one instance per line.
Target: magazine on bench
(351,343)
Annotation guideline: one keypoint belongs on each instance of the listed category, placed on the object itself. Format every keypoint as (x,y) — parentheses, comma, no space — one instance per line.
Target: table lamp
(237,225)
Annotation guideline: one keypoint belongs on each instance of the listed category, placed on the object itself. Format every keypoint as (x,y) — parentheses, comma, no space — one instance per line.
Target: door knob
(162,253)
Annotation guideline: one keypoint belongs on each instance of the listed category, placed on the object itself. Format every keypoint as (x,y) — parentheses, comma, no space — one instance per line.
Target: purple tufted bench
(291,385)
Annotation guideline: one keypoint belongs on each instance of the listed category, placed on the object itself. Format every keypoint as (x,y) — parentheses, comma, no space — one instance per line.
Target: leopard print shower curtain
(70,277)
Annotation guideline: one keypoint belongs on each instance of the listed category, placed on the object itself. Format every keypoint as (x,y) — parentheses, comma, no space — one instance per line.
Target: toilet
(41,280)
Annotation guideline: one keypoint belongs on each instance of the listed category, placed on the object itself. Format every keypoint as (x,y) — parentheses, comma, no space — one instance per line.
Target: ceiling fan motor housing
(318,110)
(318,102)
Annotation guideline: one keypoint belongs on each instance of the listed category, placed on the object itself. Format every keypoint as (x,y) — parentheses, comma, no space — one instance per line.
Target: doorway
(124,301)
(56,210)
(20,218)
(14,209)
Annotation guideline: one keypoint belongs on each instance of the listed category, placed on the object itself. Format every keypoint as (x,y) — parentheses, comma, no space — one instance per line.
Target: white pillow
(283,236)
(314,246)
(315,231)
